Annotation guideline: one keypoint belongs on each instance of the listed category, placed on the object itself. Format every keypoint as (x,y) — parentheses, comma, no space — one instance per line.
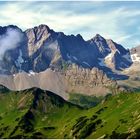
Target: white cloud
(9,40)
(26,18)
(109,24)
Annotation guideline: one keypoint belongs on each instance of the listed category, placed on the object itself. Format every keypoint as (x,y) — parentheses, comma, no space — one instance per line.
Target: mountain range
(41,48)
(40,56)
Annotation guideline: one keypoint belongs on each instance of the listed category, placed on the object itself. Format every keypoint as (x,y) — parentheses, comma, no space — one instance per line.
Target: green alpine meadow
(35,113)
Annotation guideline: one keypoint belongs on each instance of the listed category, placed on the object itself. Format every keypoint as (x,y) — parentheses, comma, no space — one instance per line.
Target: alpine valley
(62,86)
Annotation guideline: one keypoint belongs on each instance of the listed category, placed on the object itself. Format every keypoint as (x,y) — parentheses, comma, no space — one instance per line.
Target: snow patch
(75,58)
(109,56)
(19,60)
(135,58)
(86,63)
(72,57)
(69,57)
(101,63)
(31,73)
(118,51)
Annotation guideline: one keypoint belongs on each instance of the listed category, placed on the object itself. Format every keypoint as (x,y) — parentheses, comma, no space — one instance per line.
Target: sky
(119,21)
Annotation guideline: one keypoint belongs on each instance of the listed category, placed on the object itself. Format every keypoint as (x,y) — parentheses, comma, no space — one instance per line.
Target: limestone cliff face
(87,81)
(63,82)
(80,76)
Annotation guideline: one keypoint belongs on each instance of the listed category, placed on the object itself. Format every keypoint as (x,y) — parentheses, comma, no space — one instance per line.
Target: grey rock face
(101,45)
(43,48)
(112,54)
(81,76)
(37,37)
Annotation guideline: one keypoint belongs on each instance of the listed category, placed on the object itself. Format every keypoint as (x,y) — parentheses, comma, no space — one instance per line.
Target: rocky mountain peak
(101,45)
(98,37)
(37,37)
(41,27)
(79,36)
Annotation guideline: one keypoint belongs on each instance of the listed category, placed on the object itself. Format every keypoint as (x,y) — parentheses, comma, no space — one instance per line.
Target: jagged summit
(40,27)
(98,37)
(43,48)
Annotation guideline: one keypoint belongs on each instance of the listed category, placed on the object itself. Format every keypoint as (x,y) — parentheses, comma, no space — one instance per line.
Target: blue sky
(119,21)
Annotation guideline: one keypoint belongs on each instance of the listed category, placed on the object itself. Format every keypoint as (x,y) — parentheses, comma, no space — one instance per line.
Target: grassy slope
(49,116)
(119,113)
(85,101)
(12,107)
(122,115)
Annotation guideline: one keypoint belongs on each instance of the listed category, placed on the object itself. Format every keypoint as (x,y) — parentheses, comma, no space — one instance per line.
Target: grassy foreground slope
(35,113)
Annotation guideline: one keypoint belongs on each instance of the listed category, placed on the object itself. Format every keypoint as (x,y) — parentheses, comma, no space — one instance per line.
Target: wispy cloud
(116,20)
(10,40)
